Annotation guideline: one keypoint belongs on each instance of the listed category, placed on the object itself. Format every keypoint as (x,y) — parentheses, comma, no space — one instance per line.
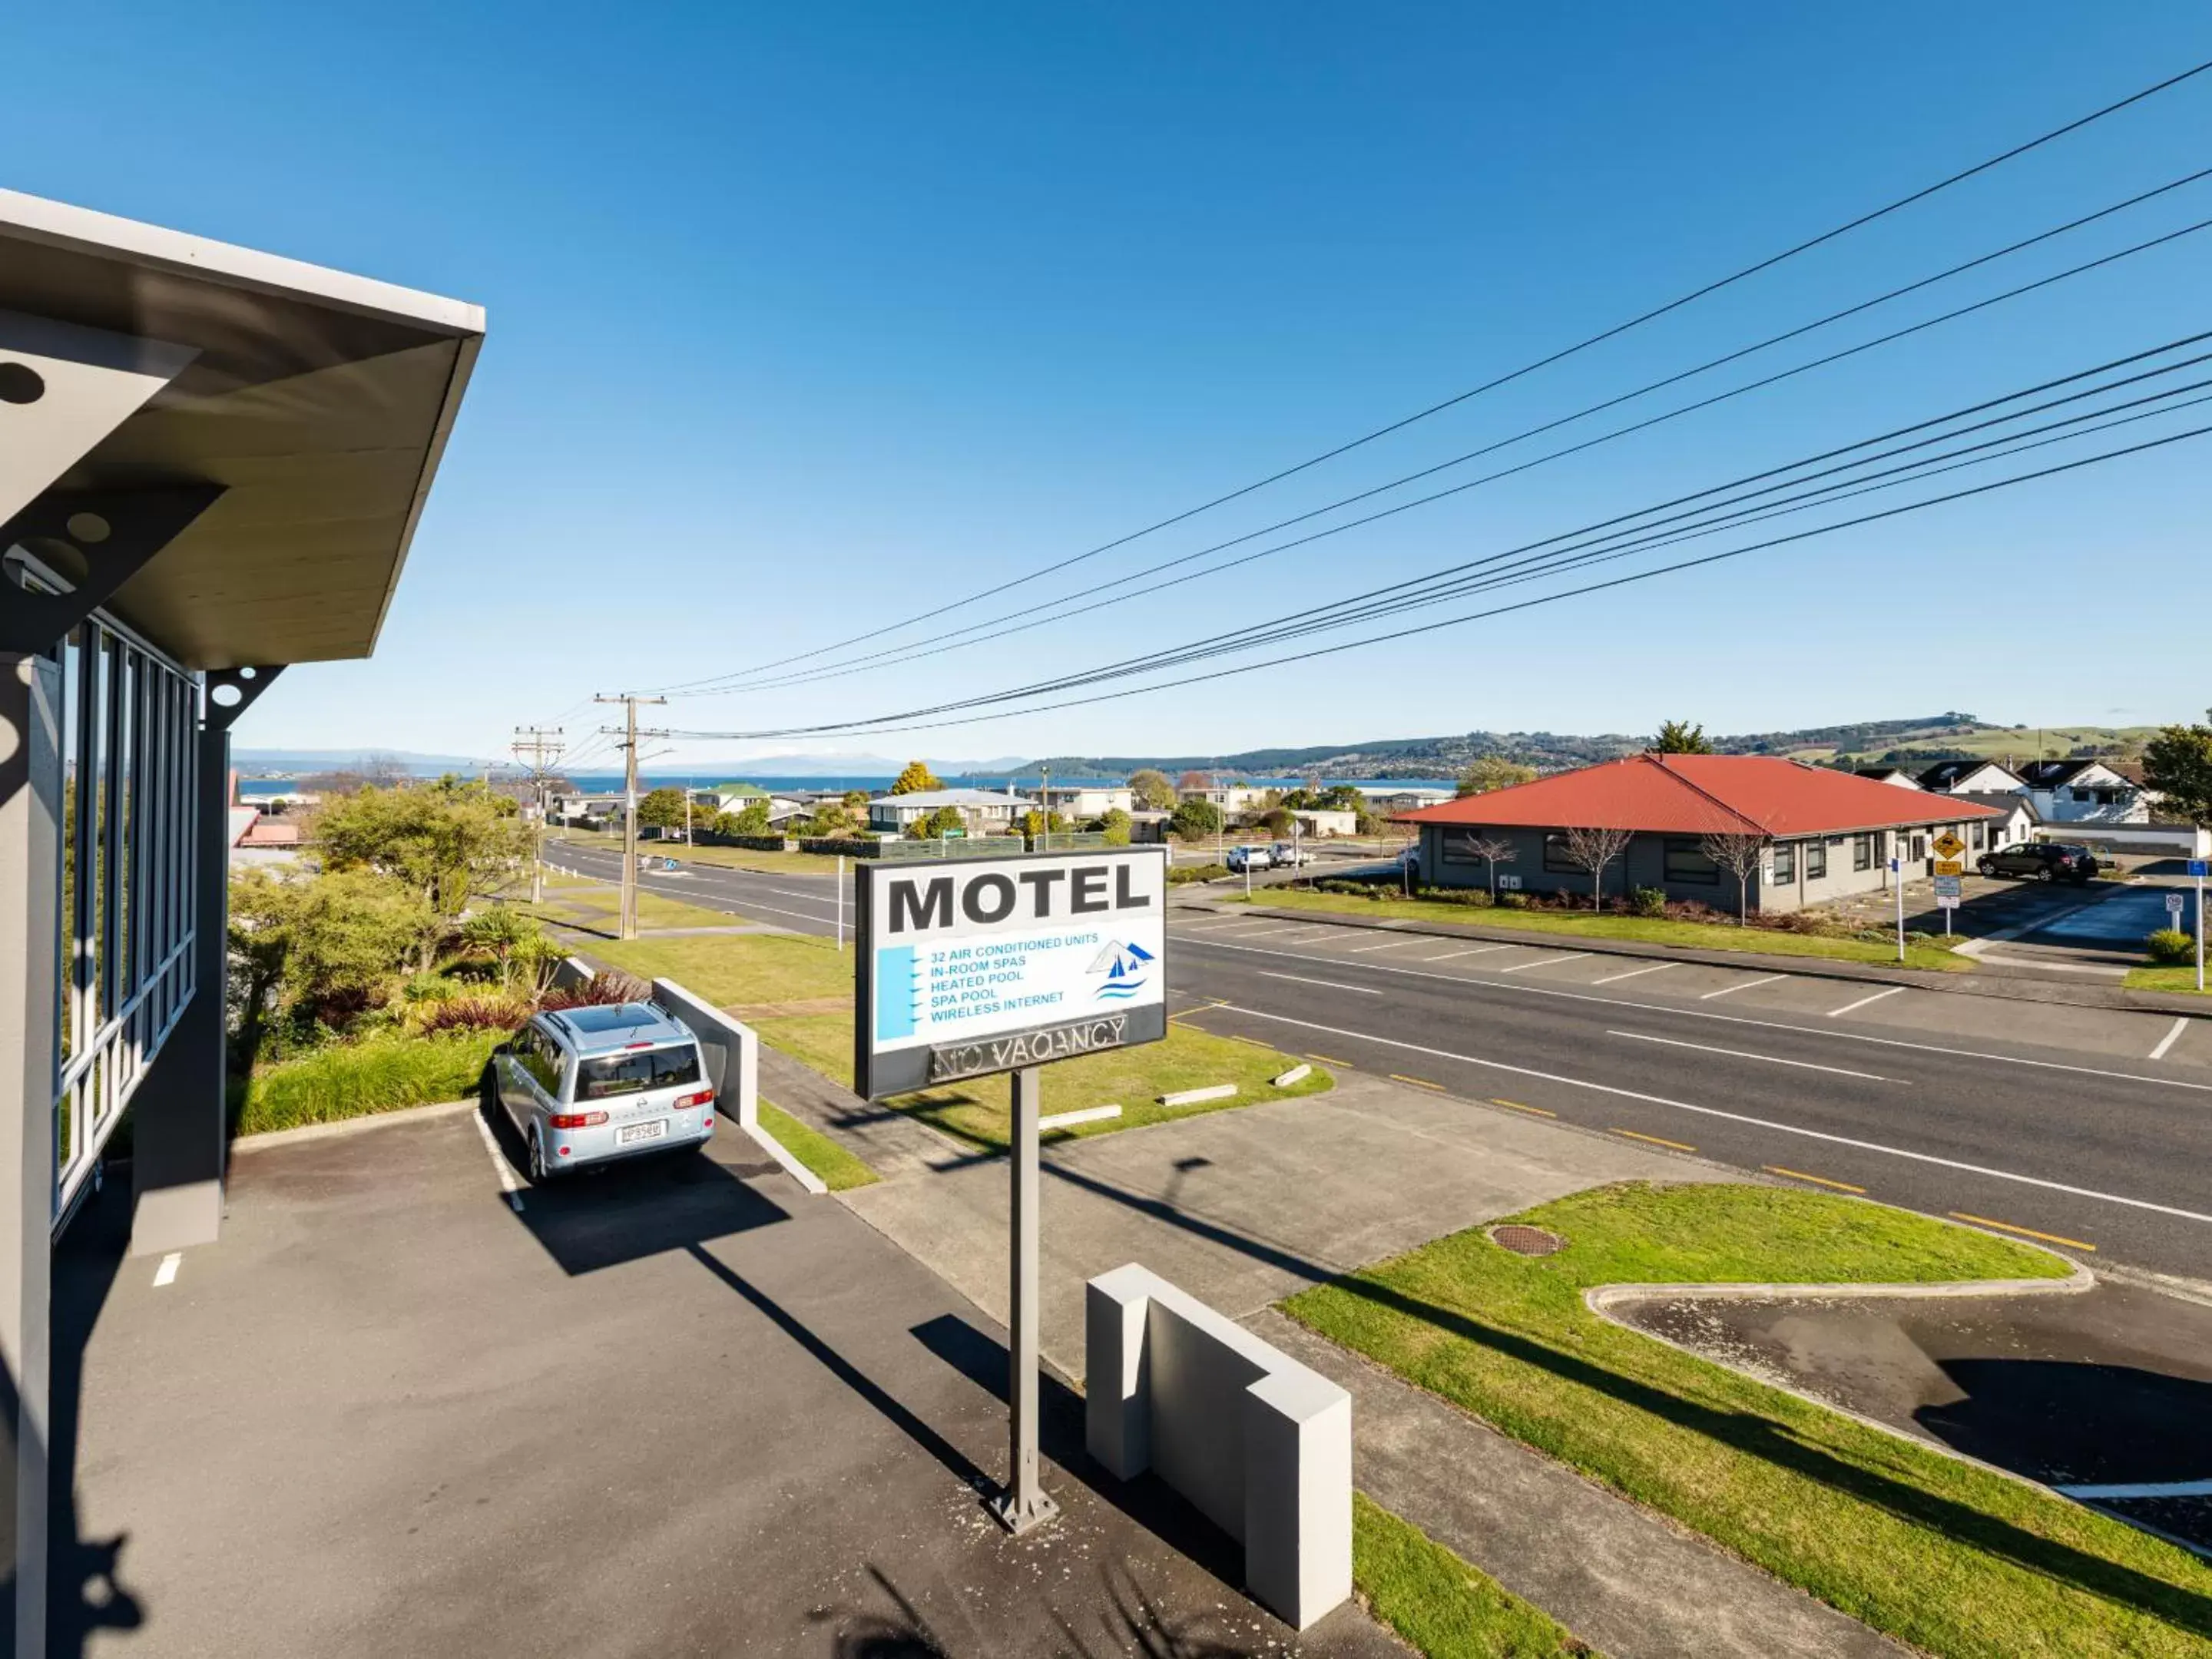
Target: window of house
(2108,796)
(1816,860)
(1688,861)
(1555,855)
(1861,851)
(1459,846)
(1919,848)
(2084,794)
(1785,864)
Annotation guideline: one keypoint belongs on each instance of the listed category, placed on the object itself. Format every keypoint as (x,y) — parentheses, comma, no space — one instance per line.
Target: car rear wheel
(539,1173)
(1988,867)
(2044,873)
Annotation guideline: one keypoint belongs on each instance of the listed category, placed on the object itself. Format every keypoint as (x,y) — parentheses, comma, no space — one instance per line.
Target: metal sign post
(1023,1503)
(2198,867)
(841,904)
(1896,869)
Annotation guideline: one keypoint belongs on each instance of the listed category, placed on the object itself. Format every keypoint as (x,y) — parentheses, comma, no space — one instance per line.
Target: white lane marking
(1732,1117)
(1657,966)
(1477,950)
(1544,961)
(1746,1053)
(1675,1011)
(1849,1007)
(2143,1489)
(166,1273)
(1364,990)
(750,908)
(508,1183)
(811,898)
(2173,1036)
(1386,945)
(1743,985)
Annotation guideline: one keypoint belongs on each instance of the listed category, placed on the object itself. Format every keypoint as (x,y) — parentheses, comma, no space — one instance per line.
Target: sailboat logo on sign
(1124,966)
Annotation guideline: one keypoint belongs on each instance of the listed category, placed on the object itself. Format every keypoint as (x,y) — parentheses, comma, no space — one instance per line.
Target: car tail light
(703,1098)
(577,1120)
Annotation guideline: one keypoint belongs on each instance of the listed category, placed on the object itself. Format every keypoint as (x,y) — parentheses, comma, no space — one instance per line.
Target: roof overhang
(318,404)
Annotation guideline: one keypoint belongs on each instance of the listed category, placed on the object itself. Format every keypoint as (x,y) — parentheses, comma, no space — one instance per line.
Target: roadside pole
(2199,863)
(629,734)
(1024,1504)
(841,904)
(1896,869)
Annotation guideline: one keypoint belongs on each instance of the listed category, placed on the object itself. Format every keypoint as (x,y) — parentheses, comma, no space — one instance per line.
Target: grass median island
(839,1169)
(1649,930)
(1446,1608)
(1951,1558)
(2182,980)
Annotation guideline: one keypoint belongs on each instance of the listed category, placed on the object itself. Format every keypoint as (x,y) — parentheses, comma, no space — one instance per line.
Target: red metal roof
(1702,794)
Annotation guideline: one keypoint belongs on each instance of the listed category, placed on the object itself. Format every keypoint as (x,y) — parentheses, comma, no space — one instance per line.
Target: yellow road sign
(1948,845)
(1950,867)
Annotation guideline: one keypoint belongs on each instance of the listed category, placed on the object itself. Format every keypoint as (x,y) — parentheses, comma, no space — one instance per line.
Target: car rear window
(635,1070)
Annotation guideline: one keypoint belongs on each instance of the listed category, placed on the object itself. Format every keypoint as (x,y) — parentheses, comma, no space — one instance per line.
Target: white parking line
(811,898)
(166,1273)
(1386,945)
(1657,966)
(1544,961)
(1742,985)
(1744,1054)
(1333,985)
(1837,1013)
(1476,950)
(507,1181)
(2165,1043)
(1830,1033)
(1732,1117)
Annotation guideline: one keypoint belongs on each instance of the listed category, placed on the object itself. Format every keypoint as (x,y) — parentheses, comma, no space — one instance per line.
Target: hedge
(751,843)
(355,1079)
(846,845)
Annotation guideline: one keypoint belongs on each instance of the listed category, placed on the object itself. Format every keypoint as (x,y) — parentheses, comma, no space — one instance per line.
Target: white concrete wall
(1259,1444)
(732,1052)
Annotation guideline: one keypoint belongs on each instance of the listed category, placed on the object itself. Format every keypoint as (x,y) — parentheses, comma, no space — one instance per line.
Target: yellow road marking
(1331,1059)
(1656,1141)
(1514,1105)
(1188,1026)
(1254,1042)
(2026,1232)
(1818,1180)
(1418,1082)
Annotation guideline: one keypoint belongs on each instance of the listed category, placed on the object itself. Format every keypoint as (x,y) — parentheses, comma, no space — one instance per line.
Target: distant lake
(610,782)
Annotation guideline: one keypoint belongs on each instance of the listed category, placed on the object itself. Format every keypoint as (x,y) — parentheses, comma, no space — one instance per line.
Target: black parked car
(2040,861)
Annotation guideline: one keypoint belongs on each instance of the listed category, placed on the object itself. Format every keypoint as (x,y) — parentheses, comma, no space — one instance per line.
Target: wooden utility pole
(629,734)
(540,747)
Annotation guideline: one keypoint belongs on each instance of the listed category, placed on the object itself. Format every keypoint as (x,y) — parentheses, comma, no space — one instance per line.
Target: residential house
(2082,792)
(1404,799)
(1228,797)
(2016,820)
(1820,835)
(1970,777)
(988,812)
(1319,822)
(1896,775)
(1079,803)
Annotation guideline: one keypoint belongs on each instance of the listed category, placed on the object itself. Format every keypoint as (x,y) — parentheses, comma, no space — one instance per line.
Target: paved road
(806,904)
(2057,1120)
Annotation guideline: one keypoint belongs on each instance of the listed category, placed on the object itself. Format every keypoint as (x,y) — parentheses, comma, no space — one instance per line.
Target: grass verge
(976,1112)
(1446,1608)
(2182,980)
(838,1168)
(1649,930)
(356,1079)
(727,858)
(1950,1558)
(732,970)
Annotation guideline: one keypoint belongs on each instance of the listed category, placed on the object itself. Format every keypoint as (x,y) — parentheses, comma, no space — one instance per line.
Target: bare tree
(1592,848)
(1493,850)
(1739,852)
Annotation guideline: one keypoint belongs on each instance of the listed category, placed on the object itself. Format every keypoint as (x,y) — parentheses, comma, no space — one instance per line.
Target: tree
(1035,823)
(1193,780)
(915,779)
(1493,772)
(662,809)
(1679,737)
(1194,819)
(443,840)
(507,936)
(1493,850)
(1151,789)
(1592,848)
(1116,824)
(1277,821)
(751,820)
(943,821)
(2178,764)
(1738,852)
(854,799)
(264,908)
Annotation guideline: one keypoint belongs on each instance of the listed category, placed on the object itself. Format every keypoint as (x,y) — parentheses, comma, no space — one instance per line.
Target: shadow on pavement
(2069,1423)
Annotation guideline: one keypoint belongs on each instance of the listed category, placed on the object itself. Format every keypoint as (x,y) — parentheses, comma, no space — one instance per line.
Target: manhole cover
(1527,1241)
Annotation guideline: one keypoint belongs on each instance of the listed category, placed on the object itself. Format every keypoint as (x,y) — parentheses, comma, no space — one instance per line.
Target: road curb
(348,1126)
(2003,987)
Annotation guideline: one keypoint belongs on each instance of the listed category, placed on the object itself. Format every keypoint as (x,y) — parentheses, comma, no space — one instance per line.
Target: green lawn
(2165,979)
(729,858)
(1951,1558)
(838,1168)
(1446,1608)
(736,969)
(976,1112)
(599,905)
(1651,930)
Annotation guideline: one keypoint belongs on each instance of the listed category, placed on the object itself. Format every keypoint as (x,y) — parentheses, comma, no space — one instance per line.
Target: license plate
(652,1131)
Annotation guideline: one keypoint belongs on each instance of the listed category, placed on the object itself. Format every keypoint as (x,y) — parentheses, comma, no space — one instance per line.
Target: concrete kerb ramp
(1258,1443)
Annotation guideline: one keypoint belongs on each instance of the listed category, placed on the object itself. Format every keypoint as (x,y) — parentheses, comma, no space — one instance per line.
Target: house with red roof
(1807,834)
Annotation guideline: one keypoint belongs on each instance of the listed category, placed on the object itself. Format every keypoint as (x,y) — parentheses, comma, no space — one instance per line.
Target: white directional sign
(2175,904)
(987,965)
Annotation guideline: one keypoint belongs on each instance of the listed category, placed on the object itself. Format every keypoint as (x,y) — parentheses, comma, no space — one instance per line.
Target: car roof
(608,1028)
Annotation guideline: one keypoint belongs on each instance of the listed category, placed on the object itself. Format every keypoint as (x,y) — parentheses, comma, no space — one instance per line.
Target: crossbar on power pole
(629,734)
(541,745)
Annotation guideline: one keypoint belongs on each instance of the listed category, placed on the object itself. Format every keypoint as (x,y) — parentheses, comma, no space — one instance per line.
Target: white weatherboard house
(1972,777)
(983,808)
(2083,792)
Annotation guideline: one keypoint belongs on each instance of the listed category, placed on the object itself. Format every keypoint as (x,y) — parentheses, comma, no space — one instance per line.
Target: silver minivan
(596,1085)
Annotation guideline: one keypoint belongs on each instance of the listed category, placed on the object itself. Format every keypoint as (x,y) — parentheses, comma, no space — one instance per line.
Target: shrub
(609,985)
(1473,898)
(1512,901)
(1647,901)
(1179,874)
(851,846)
(2172,946)
(469,1013)
(750,843)
(355,1079)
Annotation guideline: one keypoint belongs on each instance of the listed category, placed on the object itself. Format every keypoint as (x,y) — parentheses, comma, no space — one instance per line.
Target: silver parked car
(593,1086)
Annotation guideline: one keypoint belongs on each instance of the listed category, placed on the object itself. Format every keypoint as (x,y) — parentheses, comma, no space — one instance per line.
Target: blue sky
(805,318)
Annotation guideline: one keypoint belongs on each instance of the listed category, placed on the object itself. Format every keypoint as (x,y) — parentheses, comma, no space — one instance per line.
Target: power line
(1492,385)
(920,721)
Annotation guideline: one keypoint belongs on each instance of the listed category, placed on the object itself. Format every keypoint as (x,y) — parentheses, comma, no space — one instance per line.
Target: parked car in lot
(2040,861)
(595,1085)
(1249,858)
(1288,855)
